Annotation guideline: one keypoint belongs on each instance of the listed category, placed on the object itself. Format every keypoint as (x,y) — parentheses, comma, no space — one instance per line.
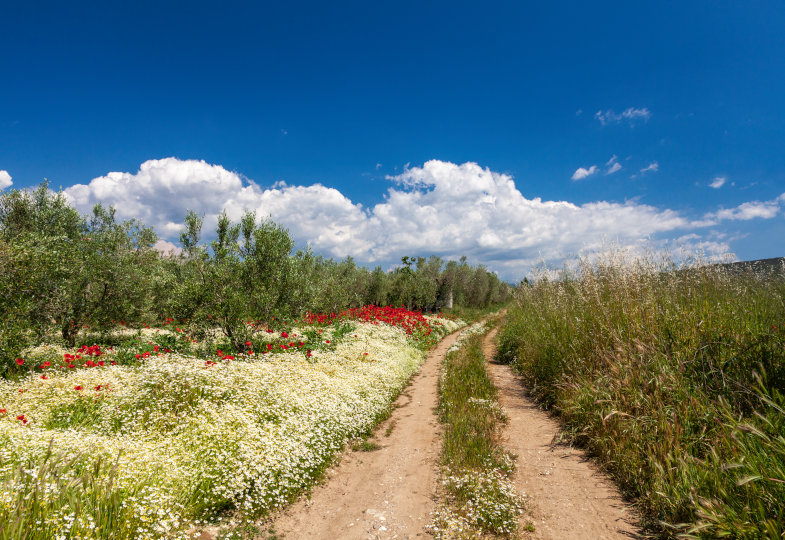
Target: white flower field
(178,440)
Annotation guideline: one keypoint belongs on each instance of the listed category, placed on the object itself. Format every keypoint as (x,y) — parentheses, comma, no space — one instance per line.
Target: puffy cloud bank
(5,180)
(440,208)
(750,210)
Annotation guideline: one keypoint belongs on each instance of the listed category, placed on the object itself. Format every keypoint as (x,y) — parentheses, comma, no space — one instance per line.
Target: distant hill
(775,265)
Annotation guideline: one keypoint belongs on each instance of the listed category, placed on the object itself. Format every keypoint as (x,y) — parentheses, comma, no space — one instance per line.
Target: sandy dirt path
(568,497)
(386,493)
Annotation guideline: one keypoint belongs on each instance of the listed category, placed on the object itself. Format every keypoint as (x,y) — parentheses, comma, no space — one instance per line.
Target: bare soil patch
(567,495)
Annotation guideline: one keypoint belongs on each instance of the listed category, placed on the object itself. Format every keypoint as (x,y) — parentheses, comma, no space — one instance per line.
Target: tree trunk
(68,331)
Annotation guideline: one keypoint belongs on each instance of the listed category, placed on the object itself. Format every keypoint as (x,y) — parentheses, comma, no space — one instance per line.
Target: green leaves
(244,276)
(73,271)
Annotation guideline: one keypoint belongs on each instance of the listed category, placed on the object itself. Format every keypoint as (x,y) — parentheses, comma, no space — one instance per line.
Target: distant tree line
(61,270)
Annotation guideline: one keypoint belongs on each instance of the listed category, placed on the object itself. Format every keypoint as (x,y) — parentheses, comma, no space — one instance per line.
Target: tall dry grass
(674,376)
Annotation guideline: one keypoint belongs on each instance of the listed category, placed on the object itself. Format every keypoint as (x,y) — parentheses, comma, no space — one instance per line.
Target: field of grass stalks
(674,377)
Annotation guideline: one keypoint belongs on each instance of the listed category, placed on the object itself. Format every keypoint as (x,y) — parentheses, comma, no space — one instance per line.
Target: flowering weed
(200,436)
(479,497)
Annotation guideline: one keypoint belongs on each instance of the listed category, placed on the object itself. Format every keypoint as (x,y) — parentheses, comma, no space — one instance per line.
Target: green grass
(480,499)
(471,427)
(40,497)
(390,428)
(364,445)
(674,378)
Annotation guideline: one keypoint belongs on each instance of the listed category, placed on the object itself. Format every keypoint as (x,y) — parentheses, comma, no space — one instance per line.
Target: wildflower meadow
(179,439)
(150,395)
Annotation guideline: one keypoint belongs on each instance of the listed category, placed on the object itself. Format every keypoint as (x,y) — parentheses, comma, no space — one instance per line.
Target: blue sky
(388,105)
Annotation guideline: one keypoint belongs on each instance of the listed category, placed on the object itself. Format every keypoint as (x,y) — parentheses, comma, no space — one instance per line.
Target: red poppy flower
(247,343)
(44,377)
(22,418)
(3,411)
(19,361)
(77,388)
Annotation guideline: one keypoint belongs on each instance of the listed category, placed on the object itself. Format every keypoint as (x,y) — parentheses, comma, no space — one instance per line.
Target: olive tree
(243,275)
(70,271)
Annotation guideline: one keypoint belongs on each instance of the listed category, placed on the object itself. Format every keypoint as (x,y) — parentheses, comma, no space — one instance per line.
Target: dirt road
(567,496)
(385,493)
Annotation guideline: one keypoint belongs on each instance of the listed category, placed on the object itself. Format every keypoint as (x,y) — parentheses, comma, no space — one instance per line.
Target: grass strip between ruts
(477,495)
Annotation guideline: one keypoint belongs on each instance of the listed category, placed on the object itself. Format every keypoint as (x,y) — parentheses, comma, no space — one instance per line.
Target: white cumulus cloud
(440,208)
(718,182)
(167,248)
(5,180)
(163,190)
(749,210)
(581,173)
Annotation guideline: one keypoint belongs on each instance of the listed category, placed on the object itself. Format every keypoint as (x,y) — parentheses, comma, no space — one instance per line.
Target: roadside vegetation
(149,395)
(479,498)
(160,444)
(674,376)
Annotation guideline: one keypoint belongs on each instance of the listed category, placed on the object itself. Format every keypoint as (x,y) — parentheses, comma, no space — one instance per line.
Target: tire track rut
(387,493)
(567,495)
